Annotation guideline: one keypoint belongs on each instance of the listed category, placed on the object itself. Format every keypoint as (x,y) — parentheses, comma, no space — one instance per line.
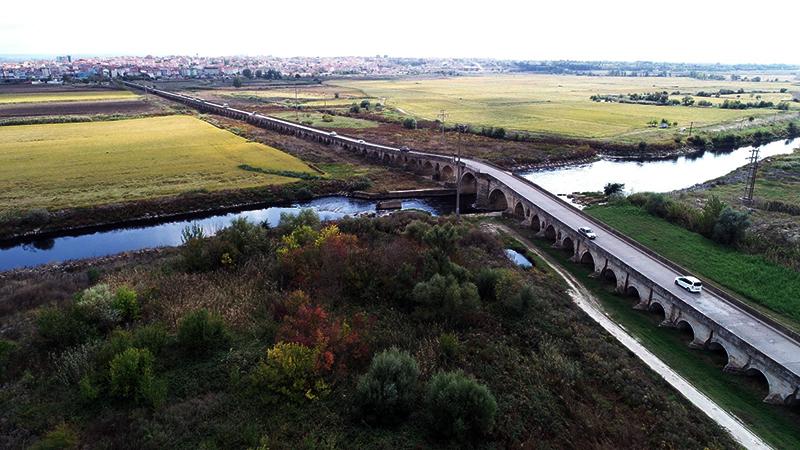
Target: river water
(654,176)
(658,176)
(168,234)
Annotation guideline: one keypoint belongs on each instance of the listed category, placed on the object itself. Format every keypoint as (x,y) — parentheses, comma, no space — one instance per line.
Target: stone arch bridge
(753,343)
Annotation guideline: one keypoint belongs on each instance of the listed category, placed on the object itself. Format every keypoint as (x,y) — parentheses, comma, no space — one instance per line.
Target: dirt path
(590,305)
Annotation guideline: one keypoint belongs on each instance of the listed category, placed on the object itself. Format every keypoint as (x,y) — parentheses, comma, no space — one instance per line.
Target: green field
(82,164)
(740,395)
(557,104)
(78,96)
(334,121)
(744,274)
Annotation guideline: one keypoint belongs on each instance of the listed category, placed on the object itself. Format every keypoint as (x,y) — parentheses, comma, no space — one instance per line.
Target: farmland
(65,96)
(561,105)
(81,164)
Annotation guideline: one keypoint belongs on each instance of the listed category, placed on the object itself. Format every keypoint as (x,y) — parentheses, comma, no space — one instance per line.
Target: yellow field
(78,96)
(81,164)
(555,104)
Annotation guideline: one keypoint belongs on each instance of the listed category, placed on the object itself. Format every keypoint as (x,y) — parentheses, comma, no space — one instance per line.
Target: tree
(387,391)
(237,82)
(792,129)
(687,101)
(247,73)
(259,73)
(613,188)
(711,212)
(459,407)
(730,227)
(410,123)
(365,104)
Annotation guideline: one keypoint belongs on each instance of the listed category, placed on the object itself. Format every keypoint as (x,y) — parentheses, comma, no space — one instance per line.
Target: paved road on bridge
(776,345)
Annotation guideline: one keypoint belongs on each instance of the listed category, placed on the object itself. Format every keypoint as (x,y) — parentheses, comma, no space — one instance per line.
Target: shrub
(417,230)
(613,188)
(74,363)
(444,297)
(336,341)
(355,109)
(61,437)
(153,337)
(365,104)
(289,372)
(7,348)
(201,333)
(459,407)
(730,227)
(410,123)
(449,346)
(97,305)
(387,391)
(486,281)
(657,205)
(126,303)
(62,328)
(131,377)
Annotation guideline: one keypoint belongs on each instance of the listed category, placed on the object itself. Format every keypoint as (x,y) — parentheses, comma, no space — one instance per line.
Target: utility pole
(459,170)
(691,125)
(442,116)
(750,185)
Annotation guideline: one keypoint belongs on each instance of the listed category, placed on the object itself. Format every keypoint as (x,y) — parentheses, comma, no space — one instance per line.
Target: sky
(698,31)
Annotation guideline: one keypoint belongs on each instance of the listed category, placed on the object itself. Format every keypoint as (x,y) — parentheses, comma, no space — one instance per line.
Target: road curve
(589,304)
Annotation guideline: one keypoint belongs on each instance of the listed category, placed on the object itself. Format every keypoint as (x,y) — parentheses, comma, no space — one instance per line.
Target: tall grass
(751,276)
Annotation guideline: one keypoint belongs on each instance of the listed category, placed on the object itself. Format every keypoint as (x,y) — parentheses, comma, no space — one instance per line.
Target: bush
(613,188)
(730,227)
(97,305)
(459,407)
(7,348)
(449,346)
(153,337)
(410,123)
(63,328)
(126,303)
(657,205)
(131,377)
(289,372)
(387,391)
(486,281)
(74,363)
(201,333)
(355,109)
(445,298)
(365,104)
(61,437)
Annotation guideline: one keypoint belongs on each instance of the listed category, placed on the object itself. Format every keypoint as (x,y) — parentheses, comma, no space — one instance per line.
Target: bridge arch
(519,211)
(568,245)
(633,291)
(550,232)
(658,309)
(686,329)
(448,175)
(469,184)
(536,223)
(498,201)
(608,275)
(427,168)
(587,258)
(387,158)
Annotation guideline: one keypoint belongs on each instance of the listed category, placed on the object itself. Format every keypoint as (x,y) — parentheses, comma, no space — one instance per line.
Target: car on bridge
(691,284)
(332,133)
(586,231)
(404,149)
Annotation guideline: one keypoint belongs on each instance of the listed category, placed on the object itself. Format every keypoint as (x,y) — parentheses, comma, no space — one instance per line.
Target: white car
(691,284)
(586,231)
(332,133)
(361,141)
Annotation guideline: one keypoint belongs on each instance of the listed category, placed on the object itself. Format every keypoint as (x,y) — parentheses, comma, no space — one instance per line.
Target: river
(652,175)
(168,234)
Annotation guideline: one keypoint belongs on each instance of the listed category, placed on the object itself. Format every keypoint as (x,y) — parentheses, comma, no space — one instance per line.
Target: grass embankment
(559,104)
(742,396)
(81,164)
(79,96)
(757,280)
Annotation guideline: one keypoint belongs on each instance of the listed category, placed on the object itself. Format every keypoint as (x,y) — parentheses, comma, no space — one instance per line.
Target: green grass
(739,395)
(746,275)
(78,96)
(335,121)
(83,164)
(554,104)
